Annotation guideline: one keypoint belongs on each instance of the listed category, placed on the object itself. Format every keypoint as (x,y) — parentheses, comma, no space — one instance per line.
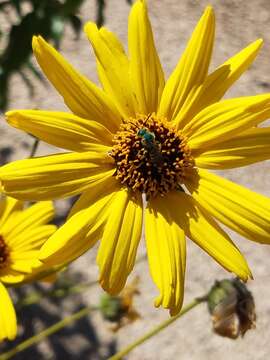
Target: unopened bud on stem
(232,308)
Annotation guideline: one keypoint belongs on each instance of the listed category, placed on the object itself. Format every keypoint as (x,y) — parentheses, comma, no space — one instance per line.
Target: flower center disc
(150,155)
(4,253)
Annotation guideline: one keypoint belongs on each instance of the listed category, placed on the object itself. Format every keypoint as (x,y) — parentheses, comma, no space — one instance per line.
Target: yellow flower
(22,233)
(141,137)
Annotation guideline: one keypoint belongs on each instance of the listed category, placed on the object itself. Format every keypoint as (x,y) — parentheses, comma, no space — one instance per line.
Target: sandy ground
(238,23)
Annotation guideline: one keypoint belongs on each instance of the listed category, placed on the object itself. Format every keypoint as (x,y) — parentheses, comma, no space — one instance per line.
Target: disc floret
(4,253)
(150,155)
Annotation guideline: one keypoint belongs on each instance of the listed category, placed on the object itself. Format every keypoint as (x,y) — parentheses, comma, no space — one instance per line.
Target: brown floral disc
(4,253)
(150,155)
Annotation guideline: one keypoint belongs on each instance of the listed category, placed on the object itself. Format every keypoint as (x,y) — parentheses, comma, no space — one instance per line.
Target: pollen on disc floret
(150,155)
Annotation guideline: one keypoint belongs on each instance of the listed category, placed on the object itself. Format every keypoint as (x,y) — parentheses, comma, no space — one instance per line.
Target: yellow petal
(88,197)
(82,96)
(113,67)
(221,121)
(192,68)
(61,129)
(55,176)
(217,83)
(70,239)
(120,240)
(25,262)
(8,321)
(146,72)
(32,217)
(243,210)
(166,249)
(81,231)
(8,207)
(205,232)
(10,276)
(33,238)
(44,273)
(251,146)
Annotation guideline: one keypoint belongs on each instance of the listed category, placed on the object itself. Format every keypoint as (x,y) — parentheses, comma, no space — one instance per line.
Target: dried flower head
(232,308)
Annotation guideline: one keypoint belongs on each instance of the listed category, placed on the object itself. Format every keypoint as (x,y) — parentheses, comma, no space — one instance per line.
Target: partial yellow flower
(140,136)
(22,233)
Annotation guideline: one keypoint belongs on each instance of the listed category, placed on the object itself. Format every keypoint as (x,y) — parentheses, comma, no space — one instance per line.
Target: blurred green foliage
(44,17)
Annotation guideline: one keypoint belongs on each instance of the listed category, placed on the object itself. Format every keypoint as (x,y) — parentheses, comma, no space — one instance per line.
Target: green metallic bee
(152,146)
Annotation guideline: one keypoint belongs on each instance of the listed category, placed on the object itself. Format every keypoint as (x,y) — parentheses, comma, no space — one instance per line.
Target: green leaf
(76,24)
(57,29)
(71,6)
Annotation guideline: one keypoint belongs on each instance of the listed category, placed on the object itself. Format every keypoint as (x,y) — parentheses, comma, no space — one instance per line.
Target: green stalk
(156,329)
(47,332)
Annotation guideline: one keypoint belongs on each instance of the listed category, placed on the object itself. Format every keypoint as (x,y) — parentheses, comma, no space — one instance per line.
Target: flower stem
(47,332)
(157,329)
